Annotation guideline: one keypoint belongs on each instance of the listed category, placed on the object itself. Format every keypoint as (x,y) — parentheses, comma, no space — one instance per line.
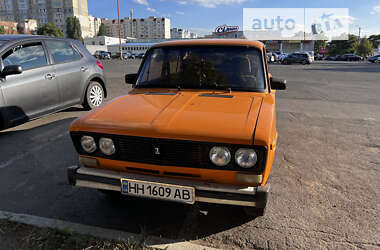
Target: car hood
(202,116)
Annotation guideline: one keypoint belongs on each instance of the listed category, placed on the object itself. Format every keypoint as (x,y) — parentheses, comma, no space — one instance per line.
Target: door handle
(50,76)
(83,69)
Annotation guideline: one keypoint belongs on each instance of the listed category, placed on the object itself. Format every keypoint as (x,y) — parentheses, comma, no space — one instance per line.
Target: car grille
(168,152)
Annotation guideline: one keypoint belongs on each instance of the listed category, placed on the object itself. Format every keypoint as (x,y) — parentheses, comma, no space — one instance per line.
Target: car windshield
(235,68)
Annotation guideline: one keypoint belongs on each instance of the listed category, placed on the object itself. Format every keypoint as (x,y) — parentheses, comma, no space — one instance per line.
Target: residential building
(94,25)
(179,33)
(142,28)
(47,11)
(193,35)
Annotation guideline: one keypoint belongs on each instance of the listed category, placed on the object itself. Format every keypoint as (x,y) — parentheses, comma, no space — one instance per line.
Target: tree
(339,47)
(375,40)
(365,47)
(73,28)
(102,30)
(2,30)
(50,29)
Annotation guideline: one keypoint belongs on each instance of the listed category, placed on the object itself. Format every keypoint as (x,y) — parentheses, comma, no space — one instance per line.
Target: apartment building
(47,11)
(94,25)
(142,28)
(177,33)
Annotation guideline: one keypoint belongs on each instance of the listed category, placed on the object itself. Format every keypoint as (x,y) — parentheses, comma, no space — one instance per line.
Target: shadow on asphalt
(166,219)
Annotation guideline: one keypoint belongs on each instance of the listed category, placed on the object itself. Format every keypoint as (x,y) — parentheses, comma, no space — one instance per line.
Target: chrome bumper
(204,192)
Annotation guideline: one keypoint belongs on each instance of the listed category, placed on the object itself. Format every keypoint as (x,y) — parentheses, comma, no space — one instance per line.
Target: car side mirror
(131,79)
(279,84)
(11,70)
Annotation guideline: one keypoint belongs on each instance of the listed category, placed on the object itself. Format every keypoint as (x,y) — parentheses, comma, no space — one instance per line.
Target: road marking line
(110,234)
(36,148)
(9,162)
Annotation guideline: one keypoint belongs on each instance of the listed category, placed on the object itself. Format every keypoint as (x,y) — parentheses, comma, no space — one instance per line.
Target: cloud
(210,3)
(180,13)
(376,8)
(151,10)
(143,2)
(372,13)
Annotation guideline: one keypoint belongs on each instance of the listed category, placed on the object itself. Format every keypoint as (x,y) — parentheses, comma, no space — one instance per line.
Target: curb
(109,234)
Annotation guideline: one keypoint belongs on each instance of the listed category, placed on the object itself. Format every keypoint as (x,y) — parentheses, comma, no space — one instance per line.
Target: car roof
(17,38)
(211,42)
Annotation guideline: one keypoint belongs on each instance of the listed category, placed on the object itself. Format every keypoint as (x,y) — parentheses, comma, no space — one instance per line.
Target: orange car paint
(186,115)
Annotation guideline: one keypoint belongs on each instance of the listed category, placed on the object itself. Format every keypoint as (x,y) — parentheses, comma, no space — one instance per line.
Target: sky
(202,16)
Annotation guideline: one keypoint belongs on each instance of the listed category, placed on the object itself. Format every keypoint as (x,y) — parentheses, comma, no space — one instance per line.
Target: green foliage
(50,29)
(365,47)
(73,28)
(2,30)
(375,40)
(102,30)
(340,47)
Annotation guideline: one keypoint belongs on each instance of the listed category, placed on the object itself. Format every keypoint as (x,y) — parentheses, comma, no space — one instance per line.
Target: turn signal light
(249,178)
(89,162)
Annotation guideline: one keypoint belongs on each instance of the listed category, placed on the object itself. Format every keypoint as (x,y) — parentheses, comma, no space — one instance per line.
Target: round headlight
(220,156)
(107,146)
(88,144)
(246,157)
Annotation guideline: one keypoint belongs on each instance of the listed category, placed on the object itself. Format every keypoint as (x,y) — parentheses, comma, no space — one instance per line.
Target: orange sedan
(198,126)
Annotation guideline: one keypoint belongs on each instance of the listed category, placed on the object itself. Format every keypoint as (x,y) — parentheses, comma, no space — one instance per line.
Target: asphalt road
(325,181)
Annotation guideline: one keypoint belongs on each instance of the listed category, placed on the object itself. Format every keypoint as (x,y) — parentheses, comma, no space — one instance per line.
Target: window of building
(62,51)
(28,56)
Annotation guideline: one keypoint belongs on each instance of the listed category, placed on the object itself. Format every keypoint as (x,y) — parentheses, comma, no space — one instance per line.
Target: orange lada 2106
(199,125)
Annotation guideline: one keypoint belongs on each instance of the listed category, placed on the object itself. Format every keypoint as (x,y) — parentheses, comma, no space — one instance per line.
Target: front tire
(94,96)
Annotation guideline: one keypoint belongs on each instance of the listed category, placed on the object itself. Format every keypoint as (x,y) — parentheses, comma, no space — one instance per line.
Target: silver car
(41,75)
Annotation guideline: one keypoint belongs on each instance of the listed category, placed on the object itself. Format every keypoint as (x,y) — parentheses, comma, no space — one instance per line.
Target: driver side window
(28,56)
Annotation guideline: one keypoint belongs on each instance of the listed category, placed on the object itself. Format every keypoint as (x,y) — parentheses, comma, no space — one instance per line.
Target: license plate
(158,191)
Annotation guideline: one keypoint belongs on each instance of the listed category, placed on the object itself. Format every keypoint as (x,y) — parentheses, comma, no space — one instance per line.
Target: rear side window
(28,56)
(62,51)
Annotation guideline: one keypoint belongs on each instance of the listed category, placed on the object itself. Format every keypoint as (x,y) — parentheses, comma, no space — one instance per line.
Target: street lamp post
(118,19)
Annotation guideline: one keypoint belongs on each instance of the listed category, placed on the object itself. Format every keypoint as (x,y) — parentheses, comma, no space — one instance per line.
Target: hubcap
(96,96)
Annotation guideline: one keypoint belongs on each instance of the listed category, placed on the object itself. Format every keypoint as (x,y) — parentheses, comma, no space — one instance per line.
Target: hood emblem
(157,150)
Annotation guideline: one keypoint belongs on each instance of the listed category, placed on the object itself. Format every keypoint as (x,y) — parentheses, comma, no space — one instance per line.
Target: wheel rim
(96,96)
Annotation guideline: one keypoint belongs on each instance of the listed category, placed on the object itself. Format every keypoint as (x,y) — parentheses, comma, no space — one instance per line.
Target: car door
(34,92)
(71,70)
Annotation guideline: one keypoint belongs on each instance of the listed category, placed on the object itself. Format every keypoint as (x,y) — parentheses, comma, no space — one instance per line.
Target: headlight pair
(106,145)
(244,157)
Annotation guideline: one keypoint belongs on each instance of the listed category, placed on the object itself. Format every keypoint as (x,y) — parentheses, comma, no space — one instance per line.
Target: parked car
(282,57)
(339,58)
(125,55)
(377,60)
(330,58)
(374,59)
(101,54)
(140,55)
(201,128)
(319,57)
(298,57)
(352,57)
(41,75)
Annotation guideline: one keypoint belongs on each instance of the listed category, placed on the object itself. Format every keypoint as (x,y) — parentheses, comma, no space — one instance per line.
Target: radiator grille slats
(181,153)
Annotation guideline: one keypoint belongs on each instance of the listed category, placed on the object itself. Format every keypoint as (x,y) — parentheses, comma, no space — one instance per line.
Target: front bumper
(204,192)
